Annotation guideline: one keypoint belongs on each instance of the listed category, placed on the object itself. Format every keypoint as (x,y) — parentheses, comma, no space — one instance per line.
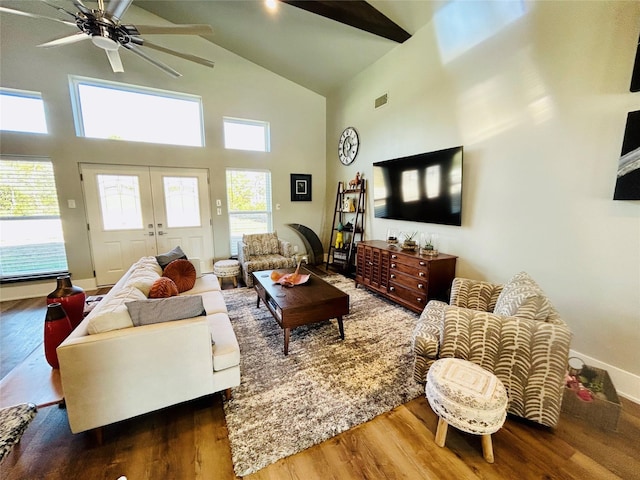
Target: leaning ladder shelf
(348,223)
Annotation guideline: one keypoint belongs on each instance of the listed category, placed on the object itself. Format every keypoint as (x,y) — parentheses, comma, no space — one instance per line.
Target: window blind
(31,240)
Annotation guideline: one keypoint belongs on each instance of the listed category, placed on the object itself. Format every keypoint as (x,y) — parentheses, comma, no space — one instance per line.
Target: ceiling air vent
(381,100)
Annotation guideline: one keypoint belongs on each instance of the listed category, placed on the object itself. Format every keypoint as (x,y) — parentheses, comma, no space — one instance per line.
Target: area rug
(325,385)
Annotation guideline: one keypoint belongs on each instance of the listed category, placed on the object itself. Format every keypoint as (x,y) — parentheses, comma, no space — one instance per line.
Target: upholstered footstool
(467,397)
(13,422)
(227,269)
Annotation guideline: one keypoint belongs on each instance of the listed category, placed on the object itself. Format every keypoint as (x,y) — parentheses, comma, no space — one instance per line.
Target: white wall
(540,107)
(235,87)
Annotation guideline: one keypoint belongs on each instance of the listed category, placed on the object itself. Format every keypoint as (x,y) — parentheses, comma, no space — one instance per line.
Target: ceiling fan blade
(166,68)
(34,15)
(186,56)
(117,8)
(81,6)
(60,9)
(78,37)
(114,60)
(186,29)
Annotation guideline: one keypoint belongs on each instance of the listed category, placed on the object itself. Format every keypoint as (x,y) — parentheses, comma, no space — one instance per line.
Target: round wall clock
(348,146)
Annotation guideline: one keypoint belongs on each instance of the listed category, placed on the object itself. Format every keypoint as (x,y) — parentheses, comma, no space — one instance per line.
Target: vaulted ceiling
(308,48)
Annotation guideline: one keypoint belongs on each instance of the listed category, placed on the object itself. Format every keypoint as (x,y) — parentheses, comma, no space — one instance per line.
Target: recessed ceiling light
(271,4)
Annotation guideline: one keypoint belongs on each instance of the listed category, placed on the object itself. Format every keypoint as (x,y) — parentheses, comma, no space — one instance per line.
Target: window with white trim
(22,111)
(31,244)
(119,111)
(249,204)
(242,134)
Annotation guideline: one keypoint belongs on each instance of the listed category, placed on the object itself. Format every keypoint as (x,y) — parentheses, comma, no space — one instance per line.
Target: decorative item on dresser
(405,277)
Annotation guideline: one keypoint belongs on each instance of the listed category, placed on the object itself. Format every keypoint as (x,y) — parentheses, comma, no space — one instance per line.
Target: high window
(249,204)
(22,111)
(31,244)
(241,134)
(126,112)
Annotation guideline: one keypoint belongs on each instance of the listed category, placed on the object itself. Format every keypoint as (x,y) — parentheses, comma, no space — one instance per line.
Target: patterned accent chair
(263,251)
(511,330)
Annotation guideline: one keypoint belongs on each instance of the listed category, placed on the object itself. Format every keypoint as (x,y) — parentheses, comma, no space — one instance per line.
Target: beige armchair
(263,251)
(511,330)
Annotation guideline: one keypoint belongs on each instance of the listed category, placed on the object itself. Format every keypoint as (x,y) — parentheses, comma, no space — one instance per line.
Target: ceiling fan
(105,29)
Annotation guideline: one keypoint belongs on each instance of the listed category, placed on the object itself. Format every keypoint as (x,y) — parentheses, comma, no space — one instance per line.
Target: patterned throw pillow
(522,297)
(263,243)
(183,274)
(163,287)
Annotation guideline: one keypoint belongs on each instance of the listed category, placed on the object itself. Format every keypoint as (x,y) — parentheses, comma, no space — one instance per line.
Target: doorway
(136,211)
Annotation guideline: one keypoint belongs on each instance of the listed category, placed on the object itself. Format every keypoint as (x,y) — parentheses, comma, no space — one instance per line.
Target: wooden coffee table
(311,302)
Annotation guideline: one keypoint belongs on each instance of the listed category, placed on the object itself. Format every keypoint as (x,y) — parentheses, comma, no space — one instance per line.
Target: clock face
(348,146)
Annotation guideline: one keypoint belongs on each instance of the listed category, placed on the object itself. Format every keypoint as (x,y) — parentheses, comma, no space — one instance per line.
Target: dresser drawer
(412,281)
(412,299)
(410,268)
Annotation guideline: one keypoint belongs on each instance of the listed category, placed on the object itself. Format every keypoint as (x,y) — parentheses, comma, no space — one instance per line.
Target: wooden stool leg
(441,432)
(235,281)
(487,448)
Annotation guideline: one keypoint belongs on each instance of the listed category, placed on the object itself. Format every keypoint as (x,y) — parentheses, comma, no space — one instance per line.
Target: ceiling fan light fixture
(103,39)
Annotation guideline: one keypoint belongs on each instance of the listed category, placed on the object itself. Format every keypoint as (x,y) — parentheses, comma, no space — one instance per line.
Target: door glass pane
(120,202)
(181,199)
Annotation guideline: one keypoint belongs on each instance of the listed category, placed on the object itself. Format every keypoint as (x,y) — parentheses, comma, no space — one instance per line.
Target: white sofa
(112,371)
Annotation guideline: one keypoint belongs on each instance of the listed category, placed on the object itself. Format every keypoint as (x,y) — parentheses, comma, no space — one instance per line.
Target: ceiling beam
(355,13)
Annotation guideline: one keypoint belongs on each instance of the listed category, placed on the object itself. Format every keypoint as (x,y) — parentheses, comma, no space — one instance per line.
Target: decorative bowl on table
(293,279)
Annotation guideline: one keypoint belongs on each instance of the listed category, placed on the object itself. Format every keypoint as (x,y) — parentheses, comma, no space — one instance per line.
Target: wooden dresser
(405,277)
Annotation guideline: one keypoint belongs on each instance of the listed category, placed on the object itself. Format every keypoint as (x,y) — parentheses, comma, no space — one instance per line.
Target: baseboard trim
(627,384)
(21,291)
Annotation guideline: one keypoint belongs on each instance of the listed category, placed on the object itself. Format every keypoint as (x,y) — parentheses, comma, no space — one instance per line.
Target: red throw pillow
(183,273)
(163,288)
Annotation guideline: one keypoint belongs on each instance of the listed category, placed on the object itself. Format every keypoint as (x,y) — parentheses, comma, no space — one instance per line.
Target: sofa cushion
(163,288)
(165,259)
(206,283)
(224,345)
(142,278)
(183,274)
(158,310)
(148,263)
(111,313)
(522,297)
(214,302)
(262,244)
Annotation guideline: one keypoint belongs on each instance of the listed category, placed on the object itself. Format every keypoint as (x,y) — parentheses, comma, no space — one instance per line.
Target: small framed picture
(300,187)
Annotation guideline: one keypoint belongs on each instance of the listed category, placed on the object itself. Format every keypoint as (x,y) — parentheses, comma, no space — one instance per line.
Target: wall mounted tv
(420,188)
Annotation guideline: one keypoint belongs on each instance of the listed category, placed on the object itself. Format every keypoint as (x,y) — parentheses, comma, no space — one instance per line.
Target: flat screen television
(420,188)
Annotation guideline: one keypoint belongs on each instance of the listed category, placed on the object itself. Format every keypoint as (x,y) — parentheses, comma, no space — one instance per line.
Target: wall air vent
(381,100)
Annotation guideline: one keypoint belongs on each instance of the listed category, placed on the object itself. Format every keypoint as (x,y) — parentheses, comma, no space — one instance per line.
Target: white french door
(135,211)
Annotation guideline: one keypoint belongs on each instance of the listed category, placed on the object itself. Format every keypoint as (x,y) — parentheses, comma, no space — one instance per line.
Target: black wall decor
(628,178)
(300,187)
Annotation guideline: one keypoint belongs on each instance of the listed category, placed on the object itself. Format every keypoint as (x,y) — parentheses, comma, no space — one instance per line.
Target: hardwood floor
(189,441)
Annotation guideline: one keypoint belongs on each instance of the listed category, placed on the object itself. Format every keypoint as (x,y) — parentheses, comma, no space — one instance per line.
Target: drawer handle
(394,256)
(393,275)
(421,274)
(392,289)
(419,300)
(422,264)
(393,265)
(420,285)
